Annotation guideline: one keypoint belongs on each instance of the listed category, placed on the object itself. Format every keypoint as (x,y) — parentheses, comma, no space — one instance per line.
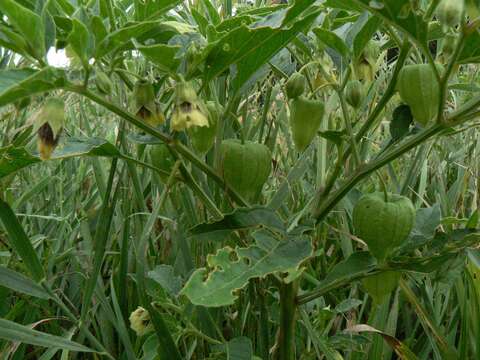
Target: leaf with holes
(229,270)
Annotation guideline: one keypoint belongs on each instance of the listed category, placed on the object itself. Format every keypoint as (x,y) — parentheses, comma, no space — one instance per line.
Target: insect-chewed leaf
(231,269)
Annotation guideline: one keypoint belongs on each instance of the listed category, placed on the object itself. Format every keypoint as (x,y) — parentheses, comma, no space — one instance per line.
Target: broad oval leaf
(27,23)
(164,56)
(20,83)
(333,41)
(13,158)
(218,286)
(251,47)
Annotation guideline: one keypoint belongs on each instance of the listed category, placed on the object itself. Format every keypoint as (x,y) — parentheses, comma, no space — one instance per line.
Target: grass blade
(20,241)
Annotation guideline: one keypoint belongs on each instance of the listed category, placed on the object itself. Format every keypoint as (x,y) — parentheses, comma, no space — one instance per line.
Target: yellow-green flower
(189,111)
(140,321)
(49,121)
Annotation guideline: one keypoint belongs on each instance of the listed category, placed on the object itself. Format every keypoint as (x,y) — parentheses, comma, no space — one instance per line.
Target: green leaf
(348,305)
(144,139)
(239,348)
(123,36)
(156,8)
(164,275)
(81,41)
(396,12)
(297,171)
(17,282)
(447,351)
(12,331)
(402,350)
(212,12)
(164,56)
(13,159)
(231,269)
(471,51)
(85,147)
(49,23)
(426,221)
(360,262)
(364,35)
(20,242)
(99,30)
(20,83)
(401,120)
(251,47)
(239,219)
(27,23)
(12,40)
(333,41)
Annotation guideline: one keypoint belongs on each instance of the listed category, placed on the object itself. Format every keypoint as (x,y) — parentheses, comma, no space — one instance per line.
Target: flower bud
(354,93)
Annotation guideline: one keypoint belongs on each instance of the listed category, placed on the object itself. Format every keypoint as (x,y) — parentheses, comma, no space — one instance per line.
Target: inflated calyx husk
(189,110)
(419,88)
(49,121)
(378,286)
(354,93)
(305,118)
(295,85)
(450,12)
(146,107)
(245,167)
(383,224)
(203,137)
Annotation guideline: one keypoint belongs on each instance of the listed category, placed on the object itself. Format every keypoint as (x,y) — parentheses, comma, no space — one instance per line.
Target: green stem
(288,308)
(383,185)
(348,126)
(325,207)
(446,76)
(322,194)
(177,146)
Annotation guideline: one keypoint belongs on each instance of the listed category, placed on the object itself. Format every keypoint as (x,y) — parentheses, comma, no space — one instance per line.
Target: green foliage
(233,268)
(207,168)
